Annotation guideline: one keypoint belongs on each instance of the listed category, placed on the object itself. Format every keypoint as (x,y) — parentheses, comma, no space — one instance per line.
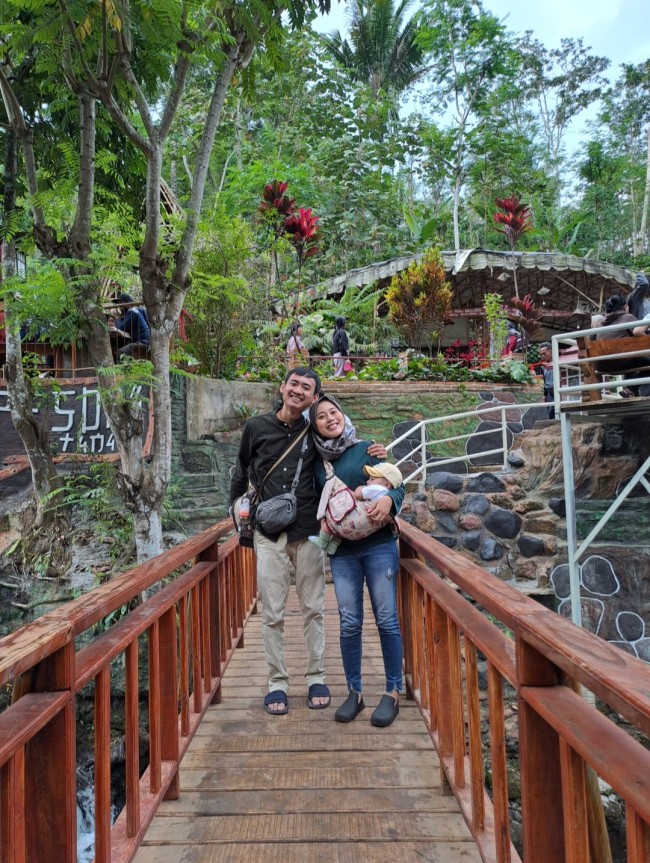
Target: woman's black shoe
(351,707)
(386,712)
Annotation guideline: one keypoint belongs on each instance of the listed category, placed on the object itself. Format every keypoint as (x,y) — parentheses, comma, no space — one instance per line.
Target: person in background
(134,323)
(546,370)
(340,347)
(616,312)
(296,350)
(373,560)
(513,340)
(638,302)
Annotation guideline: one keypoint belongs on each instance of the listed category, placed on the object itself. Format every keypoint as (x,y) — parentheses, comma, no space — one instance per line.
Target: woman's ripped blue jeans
(377,565)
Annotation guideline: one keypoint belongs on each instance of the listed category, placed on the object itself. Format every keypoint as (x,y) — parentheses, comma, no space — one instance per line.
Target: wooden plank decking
(303,787)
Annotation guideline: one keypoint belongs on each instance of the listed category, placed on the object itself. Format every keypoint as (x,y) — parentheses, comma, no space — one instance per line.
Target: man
(134,323)
(546,367)
(264,439)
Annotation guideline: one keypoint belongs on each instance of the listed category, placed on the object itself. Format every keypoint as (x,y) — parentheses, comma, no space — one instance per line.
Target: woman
(340,347)
(373,560)
(296,351)
(616,312)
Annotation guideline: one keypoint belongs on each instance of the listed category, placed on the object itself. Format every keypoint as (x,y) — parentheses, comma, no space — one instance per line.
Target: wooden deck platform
(303,787)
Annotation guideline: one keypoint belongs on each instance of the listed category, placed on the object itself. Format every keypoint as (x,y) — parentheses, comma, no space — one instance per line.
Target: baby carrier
(345,516)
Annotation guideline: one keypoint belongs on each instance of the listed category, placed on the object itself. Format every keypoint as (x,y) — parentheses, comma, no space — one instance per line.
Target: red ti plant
(304,233)
(516,219)
(525,316)
(276,205)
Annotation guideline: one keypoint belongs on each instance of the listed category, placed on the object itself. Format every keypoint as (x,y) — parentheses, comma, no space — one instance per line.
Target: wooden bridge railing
(562,737)
(192,623)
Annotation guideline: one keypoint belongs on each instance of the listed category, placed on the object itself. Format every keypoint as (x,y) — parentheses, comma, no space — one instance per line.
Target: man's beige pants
(273,575)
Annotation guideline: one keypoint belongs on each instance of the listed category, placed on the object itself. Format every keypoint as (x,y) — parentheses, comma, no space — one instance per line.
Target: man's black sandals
(276,697)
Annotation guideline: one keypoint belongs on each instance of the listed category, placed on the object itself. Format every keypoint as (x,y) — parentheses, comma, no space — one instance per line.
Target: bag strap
(286,452)
(296,477)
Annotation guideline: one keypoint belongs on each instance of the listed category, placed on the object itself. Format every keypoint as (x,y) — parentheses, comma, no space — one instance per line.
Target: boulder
(503,523)
(445,500)
(445,480)
(485,483)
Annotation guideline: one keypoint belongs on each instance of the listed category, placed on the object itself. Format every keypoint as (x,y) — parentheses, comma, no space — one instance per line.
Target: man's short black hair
(305,372)
(124,298)
(545,346)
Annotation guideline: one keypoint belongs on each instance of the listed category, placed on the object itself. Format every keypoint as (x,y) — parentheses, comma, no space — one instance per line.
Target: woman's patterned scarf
(332,448)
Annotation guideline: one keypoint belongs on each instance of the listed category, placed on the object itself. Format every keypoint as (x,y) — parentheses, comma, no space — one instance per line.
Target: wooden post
(541,779)
(50,770)
(169,737)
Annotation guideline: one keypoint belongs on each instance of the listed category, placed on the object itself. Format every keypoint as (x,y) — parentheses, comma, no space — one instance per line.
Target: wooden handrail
(193,624)
(562,740)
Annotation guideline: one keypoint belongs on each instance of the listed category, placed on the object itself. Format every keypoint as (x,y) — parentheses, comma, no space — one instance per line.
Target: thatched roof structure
(565,286)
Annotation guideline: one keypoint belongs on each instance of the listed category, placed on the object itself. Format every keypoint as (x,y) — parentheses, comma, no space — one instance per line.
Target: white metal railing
(421,450)
(569,390)
(562,391)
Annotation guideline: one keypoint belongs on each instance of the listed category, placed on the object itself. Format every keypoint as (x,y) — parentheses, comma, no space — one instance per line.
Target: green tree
(135,61)
(470,56)
(382,50)
(562,82)
(222,300)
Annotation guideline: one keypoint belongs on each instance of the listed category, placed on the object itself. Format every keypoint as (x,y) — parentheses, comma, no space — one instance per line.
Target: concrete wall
(211,405)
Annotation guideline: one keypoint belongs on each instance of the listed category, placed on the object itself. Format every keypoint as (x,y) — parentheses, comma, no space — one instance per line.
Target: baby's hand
(358,493)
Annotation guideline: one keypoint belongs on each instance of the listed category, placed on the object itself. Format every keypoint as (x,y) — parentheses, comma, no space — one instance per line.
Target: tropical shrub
(419,300)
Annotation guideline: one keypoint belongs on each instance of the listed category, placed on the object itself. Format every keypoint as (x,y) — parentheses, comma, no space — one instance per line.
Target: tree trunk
(456,209)
(148,534)
(643,231)
(34,435)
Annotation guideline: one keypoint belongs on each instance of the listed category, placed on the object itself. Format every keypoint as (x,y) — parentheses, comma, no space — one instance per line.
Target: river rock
(470,521)
(503,523)
(491,550)
(445,480)
(476,503)
(471,539)
(484,483)
(445,500)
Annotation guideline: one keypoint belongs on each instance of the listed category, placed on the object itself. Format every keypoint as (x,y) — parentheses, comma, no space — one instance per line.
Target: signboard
(77,422)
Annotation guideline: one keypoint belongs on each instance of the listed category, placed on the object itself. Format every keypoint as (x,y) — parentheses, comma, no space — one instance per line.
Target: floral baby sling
(345,516)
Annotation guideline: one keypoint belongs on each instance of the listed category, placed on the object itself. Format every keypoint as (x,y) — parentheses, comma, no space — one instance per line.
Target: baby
(382,478)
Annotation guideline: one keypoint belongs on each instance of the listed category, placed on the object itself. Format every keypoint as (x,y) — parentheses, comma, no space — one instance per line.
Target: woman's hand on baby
(377,450)
(379,511)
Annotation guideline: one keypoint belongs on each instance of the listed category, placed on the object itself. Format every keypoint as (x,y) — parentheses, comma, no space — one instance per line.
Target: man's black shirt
(264,438)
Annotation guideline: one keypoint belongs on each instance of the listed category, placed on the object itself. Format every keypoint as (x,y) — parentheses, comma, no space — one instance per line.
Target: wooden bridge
(494,683)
